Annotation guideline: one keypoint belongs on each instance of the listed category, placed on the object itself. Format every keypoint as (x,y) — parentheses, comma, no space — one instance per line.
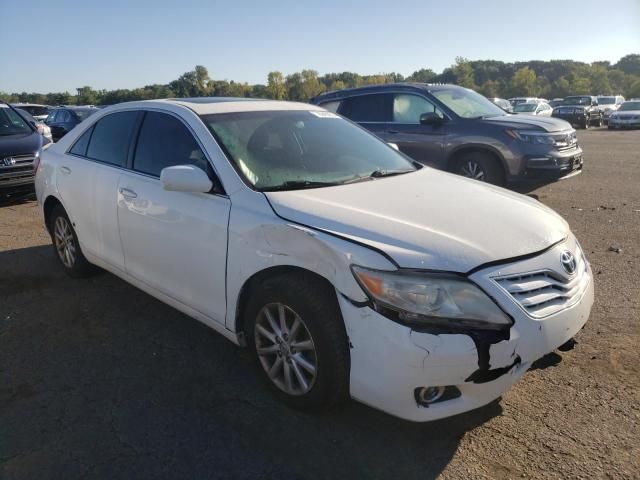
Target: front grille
(565,141)
(16,168)
(546,292)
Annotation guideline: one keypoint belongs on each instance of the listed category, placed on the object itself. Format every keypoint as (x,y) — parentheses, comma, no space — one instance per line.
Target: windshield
(577,101)
(630,106)
(12,124)
(85,112)
(525,107)
(606,100)
(285,150)
(467,103)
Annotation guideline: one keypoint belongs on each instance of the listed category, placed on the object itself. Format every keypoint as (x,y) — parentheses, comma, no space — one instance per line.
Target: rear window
(85,113)
(111,136)
(35,110)
(368,108)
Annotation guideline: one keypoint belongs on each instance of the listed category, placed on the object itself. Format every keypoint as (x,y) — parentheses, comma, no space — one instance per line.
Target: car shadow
(549,360)
(99,379)
(16,198)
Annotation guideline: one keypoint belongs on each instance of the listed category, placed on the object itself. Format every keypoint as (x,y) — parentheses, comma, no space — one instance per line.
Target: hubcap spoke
(272,322)
(266,333)
(305,345)
(273,349)
(275,367)
(300,360)
(299,376)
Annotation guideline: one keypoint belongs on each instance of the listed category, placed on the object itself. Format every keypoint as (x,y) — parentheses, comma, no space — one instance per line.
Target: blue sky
(63,44)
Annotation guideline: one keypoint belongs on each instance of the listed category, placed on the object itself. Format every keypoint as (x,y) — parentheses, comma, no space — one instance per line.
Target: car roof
(211,105)
(381,88)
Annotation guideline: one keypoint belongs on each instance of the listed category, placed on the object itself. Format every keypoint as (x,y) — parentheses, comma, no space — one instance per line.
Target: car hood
(529,122)
(26,143)
(428,219)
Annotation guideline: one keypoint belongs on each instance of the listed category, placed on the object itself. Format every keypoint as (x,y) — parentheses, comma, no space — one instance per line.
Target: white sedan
(345,268)
(533,108)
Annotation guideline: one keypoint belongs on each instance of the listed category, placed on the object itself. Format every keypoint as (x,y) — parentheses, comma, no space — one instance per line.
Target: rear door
(372,111)
(175,242)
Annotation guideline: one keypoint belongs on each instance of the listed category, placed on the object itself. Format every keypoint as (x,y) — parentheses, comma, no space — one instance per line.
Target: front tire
(296,334)
(66,245)
(480,166)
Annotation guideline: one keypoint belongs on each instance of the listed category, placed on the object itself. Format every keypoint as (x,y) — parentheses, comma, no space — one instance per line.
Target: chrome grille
(545,292)
(16,167)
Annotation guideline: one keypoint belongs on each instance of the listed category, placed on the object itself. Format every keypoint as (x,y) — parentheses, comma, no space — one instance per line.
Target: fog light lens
(427,395)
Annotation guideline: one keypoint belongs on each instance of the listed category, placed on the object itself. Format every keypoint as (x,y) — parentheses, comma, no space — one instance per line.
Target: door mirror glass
(185,178)
(430,118)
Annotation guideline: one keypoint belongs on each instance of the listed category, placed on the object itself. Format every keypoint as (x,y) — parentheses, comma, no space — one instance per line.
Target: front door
(175,242)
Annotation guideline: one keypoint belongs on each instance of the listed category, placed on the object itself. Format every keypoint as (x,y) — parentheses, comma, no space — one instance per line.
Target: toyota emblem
(568,262)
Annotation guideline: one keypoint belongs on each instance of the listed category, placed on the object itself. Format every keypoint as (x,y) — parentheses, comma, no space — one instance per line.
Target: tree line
(548,79)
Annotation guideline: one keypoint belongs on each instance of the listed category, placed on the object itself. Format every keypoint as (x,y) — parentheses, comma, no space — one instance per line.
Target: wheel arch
(47,208)
(455,155)
(254,281)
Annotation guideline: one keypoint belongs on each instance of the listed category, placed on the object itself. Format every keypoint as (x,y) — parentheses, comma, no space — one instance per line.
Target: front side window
(285,150)
(368,108)
(408,108)
(63,116)
(467,103)
(163,142)
(111,136)
(12,123)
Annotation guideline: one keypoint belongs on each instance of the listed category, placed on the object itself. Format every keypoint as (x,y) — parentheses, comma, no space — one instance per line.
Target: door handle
(65,170)
(128,193)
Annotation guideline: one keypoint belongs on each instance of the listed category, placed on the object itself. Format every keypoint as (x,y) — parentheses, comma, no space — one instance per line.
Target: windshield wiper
(299,185)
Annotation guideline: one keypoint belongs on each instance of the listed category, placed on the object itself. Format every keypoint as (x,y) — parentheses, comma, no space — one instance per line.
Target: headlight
(432,299)
(530,137)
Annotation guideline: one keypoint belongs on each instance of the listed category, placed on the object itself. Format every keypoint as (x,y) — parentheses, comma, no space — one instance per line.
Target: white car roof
(209,105)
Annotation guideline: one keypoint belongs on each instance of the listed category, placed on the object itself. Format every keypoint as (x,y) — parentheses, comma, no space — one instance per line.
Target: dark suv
(456,129)
(20,147)
(580,110)
(62,119)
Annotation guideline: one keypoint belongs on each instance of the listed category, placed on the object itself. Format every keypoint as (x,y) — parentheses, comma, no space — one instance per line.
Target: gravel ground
(99,380)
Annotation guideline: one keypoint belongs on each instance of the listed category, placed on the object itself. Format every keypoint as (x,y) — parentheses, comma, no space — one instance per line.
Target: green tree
(311,85)
(276,86)
(629,64)
(463,73)
(600,80)
(634,89)
(86,96)
(489,89)
(524,83)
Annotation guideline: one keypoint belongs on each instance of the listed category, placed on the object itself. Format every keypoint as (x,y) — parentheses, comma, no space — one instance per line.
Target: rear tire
(296,334)
(480,166)
(66,245)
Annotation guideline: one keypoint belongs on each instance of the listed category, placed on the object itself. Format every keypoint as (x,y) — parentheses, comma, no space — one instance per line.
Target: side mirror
(185,178)
(431,118)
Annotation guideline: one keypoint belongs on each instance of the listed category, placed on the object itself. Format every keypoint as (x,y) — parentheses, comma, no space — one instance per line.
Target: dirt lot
(99,380)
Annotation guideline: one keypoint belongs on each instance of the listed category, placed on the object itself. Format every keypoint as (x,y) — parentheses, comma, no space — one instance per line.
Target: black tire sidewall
(321,316)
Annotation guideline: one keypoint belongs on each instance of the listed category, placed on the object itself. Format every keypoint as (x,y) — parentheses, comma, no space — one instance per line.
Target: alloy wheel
(63,239)
(286,349)
(472,169)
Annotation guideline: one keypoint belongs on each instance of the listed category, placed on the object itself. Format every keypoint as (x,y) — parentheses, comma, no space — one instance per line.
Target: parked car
(20,147)
(62,119)
(627,116)
(42,128)
(339,263)
(536,108)
(516,100)
(39,112)
(503,104)
(580,110)
(456,129)
(609,104)
(555,102)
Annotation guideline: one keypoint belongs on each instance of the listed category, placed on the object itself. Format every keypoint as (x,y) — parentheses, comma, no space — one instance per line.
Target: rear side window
(80,147)
(110,140)
(164,141)
(52,116)
(368,108)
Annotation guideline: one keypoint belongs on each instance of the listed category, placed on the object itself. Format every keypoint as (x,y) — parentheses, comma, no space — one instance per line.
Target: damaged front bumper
(389,361)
